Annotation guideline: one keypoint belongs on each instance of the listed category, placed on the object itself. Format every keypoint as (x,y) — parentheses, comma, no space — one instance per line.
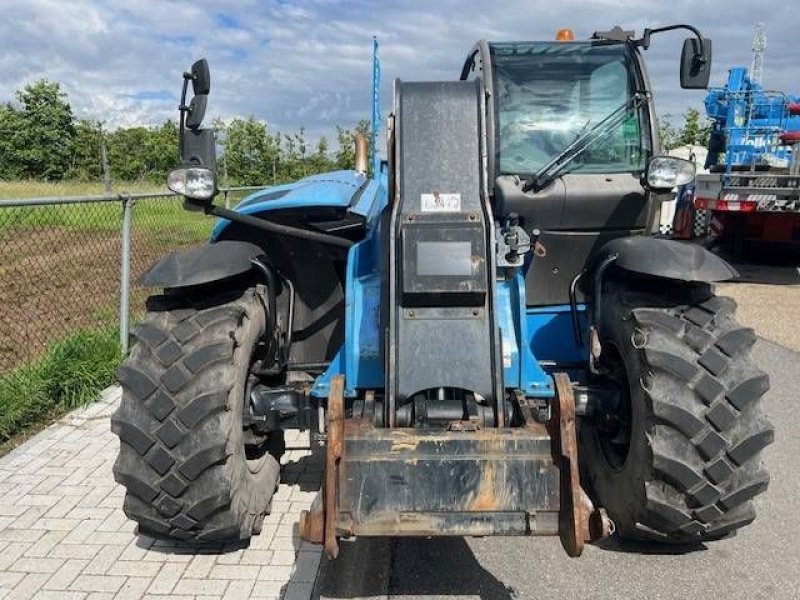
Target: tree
(221,136)
(667,133)
(345,154)
(10,123)
(39,138)
(125,153)
(694,132)
(294,155)
(320,160)
(161,150)
(302,150)
(251,152)
(290,159)
(85,162)
(691,127)
(40,133)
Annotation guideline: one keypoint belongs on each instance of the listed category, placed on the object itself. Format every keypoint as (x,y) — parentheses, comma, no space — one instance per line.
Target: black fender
(669,259)
(202,265)
(656,257)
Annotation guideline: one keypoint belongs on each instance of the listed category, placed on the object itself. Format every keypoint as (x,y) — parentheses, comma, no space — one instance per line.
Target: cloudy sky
(308,62)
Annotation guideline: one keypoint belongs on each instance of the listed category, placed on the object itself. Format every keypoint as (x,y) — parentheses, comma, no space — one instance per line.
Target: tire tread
(713,345)
(705,428)
(175,449)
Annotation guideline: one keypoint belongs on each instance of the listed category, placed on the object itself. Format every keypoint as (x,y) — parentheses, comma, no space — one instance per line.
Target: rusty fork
(579,520)
(318,525)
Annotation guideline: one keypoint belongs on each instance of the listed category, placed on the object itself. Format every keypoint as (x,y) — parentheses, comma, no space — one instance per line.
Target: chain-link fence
(71,264)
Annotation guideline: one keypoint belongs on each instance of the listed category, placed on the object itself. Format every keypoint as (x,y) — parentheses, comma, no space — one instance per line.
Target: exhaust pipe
(361,153)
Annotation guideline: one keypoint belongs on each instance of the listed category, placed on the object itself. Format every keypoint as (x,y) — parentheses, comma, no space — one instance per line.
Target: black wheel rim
(255,444)
(614,430)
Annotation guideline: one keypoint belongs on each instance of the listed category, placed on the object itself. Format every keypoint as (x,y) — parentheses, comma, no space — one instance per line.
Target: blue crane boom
(753,188)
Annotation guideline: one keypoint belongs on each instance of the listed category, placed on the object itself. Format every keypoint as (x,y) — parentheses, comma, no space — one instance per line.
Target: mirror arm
(182,110)
(644,42)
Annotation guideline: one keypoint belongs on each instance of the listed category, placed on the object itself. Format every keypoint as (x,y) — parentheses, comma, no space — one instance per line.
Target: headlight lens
(193,182)
(667,172)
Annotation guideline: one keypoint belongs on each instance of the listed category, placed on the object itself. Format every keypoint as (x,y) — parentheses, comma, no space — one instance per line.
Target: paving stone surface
(63,533)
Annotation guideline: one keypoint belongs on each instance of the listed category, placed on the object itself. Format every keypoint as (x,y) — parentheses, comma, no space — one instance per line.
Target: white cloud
(309,63)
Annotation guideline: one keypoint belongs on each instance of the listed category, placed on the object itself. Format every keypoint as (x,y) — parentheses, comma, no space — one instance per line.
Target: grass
(75,369)
(163,219)
(159,217)
(71,374)
(33,189)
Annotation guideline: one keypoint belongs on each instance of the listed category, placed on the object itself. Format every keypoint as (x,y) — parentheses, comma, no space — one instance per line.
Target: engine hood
(337,189)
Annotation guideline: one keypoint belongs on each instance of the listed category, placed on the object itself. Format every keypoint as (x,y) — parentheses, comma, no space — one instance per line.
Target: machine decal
(438,202)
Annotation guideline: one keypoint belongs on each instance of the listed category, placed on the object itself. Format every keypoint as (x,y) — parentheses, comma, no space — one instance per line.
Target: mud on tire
(696,430)
(183,459)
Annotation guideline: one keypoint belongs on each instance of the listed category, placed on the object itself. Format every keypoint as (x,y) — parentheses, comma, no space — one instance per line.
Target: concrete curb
(362,570)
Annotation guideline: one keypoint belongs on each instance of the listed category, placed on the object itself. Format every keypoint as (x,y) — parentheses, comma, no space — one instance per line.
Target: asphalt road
(766,295)
(763,561)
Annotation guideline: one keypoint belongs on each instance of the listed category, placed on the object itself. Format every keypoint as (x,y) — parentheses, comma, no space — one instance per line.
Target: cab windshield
(548,94)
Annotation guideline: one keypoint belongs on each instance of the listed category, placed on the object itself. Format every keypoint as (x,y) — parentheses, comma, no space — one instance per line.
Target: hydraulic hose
(298,232)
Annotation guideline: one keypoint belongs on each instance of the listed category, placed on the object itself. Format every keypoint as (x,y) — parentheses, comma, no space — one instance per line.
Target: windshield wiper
(545,176)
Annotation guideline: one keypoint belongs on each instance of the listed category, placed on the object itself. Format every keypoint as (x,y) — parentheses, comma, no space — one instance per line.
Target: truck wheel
(190,471)
(679,459)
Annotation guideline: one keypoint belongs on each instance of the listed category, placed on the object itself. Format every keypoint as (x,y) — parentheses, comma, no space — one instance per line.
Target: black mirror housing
(201,77)
(695,64)
(199,149)
(196,112)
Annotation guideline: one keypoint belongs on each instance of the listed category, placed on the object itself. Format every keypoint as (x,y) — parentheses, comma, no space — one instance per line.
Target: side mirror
(667,172)
(201,77)
(196,112)
(695,64)
(196,181)
(197,148)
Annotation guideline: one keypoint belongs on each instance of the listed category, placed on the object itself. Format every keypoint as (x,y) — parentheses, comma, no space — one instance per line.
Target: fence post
(125,274)
(104,161)
(227,202)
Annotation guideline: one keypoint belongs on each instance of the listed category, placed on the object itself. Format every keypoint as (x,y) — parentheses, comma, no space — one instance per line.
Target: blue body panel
(535,341)
(521,369)
(553,337)
(337,189)
(530,336)
(360,360)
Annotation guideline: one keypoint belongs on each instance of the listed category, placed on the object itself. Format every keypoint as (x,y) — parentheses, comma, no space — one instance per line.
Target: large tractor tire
(679,461)
(190,470)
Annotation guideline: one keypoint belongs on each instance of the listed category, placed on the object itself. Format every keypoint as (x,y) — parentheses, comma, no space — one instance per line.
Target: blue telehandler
(482,337)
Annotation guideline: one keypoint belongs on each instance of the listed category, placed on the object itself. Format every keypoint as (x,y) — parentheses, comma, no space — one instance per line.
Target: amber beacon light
(565,35)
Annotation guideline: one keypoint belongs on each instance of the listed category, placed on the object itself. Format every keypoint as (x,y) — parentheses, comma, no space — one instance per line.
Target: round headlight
(667,172)
(193,182)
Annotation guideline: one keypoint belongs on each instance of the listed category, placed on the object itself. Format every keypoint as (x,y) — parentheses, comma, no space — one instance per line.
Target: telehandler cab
(483,337)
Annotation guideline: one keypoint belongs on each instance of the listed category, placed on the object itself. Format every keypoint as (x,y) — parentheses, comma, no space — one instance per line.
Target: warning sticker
(506,358)
(438,202)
